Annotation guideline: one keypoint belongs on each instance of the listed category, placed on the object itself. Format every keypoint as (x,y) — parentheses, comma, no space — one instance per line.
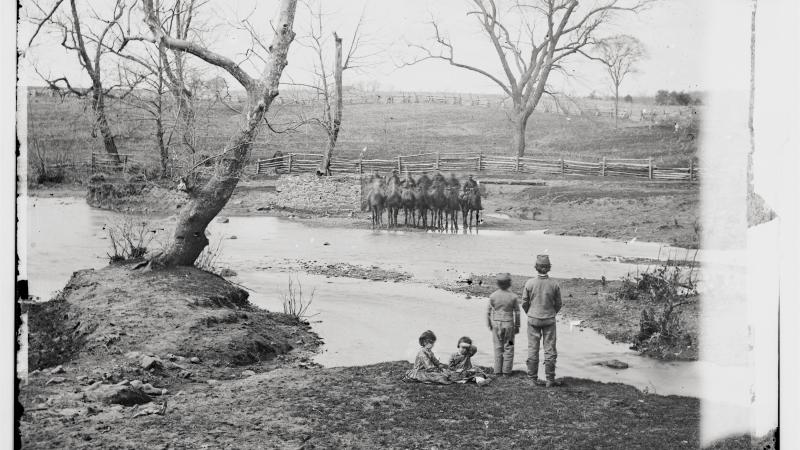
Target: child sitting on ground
(461,364)
(427,368)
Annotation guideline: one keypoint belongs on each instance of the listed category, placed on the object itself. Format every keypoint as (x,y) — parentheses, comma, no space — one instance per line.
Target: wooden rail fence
(478,162)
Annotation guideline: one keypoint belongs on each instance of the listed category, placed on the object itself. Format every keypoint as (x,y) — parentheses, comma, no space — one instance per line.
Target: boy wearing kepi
(503,317)
(541,300)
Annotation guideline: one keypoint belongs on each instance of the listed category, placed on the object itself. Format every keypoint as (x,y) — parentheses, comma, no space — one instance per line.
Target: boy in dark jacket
(541,300)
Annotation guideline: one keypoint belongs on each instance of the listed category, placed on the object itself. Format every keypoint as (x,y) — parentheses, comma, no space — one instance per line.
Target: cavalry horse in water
(438,203)
(394,201)
(408,199)
(376,200)
(452,207)
(471,201)
(422,200)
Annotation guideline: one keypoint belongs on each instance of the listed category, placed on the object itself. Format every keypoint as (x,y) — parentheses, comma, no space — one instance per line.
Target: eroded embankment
(119,337)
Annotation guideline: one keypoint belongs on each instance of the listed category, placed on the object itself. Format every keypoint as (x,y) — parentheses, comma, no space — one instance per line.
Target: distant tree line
(664,97)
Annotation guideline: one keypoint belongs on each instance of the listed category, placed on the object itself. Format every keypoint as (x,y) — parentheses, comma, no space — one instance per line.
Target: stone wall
(338,193)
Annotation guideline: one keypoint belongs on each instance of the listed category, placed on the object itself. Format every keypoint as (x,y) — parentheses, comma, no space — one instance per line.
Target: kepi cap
(543,260)
(503,276)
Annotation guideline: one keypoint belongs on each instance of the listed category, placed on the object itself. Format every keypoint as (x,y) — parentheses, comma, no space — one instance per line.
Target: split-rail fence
(644,169)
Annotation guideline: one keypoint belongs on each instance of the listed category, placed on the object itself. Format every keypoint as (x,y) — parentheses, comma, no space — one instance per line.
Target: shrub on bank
(662,331)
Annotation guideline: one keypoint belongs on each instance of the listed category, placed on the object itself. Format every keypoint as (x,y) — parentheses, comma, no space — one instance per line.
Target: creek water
(364,322)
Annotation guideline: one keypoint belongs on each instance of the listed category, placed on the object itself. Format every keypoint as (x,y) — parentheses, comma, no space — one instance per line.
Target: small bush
(294,304)
(129,236)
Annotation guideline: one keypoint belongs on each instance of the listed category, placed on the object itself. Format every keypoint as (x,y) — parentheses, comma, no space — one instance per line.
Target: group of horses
(430,203)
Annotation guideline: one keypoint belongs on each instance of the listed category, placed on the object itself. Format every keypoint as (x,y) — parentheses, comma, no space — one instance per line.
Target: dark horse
(376,200)
(471,201)
(438,203)
(452,207)
(408,199)
(393,200)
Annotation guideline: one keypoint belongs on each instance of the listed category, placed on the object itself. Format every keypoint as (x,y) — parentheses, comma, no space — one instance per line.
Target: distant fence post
(650,167)
(517,166)
(93,163)
(291,161)
(361,166)
(480,161)
(691,170)
(437,161)
(603,167)
(399,164)
(562,166)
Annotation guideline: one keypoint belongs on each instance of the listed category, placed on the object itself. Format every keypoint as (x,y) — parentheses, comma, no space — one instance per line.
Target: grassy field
(65,127)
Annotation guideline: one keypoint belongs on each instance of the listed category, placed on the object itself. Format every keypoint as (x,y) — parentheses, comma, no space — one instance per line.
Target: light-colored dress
(428,369)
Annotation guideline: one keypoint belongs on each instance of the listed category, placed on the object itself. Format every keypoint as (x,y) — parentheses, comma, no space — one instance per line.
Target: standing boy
(541,300)
(503,317)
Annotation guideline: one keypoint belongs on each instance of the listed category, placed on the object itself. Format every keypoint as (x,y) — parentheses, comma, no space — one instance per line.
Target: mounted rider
(470,184)
(453,182)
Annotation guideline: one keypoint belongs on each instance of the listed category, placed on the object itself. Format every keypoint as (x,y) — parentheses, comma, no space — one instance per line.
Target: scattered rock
(136,384)
(613,364)
(128,396)
(153,408)
(151,363)
(212,382)
(248,373)
(263,208)
(326,243)
(72,412)
(464,277)
(116,394)
(55,380)
(233,237)
(148,388)
(133,355)
(194,360)
(224,219)
(225,272)
(57,369)
(184,374)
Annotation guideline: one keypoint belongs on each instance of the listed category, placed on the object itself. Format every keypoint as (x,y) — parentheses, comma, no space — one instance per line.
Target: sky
(670,31)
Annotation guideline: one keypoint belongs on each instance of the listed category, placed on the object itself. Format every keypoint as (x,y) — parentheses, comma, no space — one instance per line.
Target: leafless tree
(328,79)
(153,99)
(619,54)
(178,19)
(89,43)
(207,199)
(531,39)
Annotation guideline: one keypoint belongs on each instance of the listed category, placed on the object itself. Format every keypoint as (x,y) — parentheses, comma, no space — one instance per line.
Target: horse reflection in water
(428,204)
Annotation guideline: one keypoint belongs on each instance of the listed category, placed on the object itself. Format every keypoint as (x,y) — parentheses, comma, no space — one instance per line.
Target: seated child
(461,364)
(428,369)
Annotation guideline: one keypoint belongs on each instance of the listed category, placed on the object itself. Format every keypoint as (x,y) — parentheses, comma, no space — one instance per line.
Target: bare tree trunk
(102,123)
(616,104)
(520,124)
(207,201)
(333,132)
(162,148)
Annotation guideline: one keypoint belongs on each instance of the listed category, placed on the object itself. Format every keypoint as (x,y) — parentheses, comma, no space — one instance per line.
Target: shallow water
(364,322)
